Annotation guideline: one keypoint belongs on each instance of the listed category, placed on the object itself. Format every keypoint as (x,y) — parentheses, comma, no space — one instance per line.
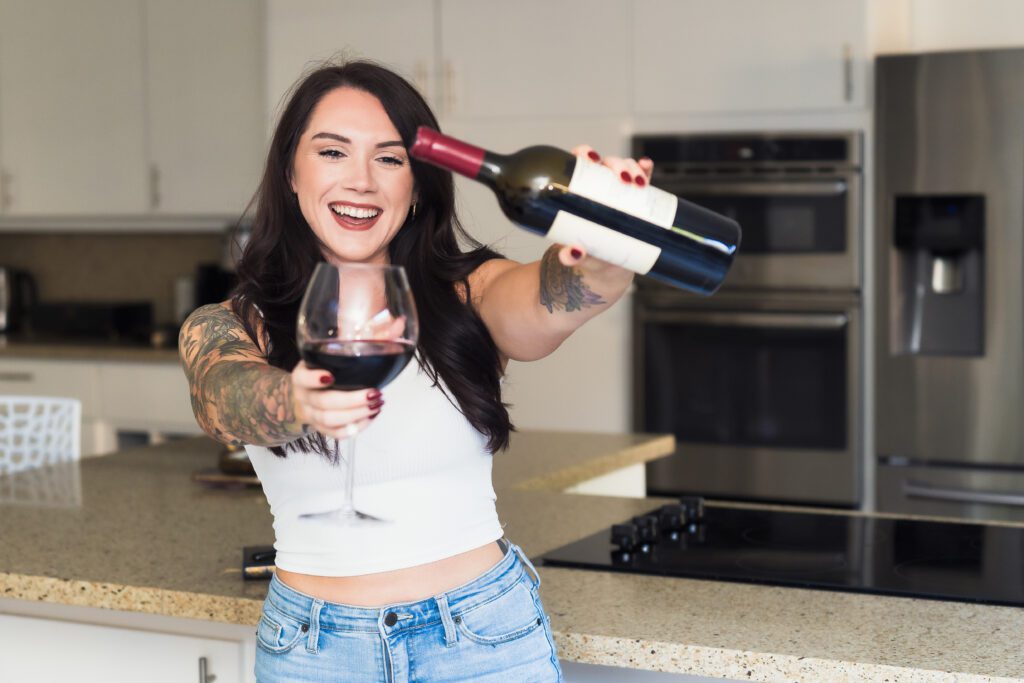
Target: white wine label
(601,184)
(603,243)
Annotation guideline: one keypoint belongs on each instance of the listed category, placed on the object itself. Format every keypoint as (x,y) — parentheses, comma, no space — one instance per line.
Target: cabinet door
(534,58)
(71,115)
(300,33)
(96,654)
(748,55)
(147,396)
(205,103)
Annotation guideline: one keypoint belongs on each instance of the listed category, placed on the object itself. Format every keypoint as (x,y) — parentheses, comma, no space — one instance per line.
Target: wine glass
(359,322)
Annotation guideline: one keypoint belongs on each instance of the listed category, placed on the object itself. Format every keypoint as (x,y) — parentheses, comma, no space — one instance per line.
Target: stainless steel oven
(796,196)
(761,383)
(763,394)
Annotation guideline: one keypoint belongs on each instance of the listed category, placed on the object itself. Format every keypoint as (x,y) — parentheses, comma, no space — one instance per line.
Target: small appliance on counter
(18,294)
(902,557)
(129,322)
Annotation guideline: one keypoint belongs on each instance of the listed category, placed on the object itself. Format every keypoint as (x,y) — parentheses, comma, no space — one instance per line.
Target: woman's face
(352,176)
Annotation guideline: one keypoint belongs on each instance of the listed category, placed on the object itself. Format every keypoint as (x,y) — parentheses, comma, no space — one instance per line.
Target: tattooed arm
(530,309)
(237,397)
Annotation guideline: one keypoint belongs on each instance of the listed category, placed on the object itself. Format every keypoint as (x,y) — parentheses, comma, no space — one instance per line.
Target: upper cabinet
(205,99)
(72,125)
(130,107)
(534,58)
(745,55)
(302,33)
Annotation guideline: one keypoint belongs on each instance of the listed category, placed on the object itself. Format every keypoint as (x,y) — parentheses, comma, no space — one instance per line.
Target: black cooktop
(938,560)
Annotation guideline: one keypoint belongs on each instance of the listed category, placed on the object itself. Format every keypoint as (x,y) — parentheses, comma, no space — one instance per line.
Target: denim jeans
(490,629)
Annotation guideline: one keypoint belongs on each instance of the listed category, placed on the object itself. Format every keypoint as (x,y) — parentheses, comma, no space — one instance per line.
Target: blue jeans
(490,629)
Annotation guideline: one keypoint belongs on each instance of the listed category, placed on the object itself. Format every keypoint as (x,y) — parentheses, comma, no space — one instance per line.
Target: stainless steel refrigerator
(949,313)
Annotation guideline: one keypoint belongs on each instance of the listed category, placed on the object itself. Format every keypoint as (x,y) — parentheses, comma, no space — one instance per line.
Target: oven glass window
(783,223)
(774,387)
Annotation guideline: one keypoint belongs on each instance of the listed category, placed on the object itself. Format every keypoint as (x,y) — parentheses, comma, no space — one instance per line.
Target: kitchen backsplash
(110,267)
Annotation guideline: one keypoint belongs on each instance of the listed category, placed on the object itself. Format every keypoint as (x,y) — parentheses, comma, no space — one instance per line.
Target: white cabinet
(205,104)
(72,125)
(87,653)
(748,55)
(534,58)
(302,33)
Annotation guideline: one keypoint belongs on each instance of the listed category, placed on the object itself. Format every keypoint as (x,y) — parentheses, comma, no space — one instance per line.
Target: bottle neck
(453,154)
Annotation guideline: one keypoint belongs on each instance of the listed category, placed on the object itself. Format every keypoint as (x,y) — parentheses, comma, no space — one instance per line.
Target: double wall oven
(760,383)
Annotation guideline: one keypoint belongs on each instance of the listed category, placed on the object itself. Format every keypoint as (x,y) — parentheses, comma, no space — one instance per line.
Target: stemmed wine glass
(359,322)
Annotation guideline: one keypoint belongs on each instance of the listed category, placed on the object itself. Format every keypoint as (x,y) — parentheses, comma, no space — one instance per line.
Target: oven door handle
(766,188)
(797,321)
(914,489)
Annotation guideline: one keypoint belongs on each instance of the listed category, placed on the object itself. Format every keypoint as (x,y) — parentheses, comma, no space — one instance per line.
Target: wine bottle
(572,200)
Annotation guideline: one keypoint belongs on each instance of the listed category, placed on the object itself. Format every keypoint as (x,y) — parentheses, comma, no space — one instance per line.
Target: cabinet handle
(203,676)
(847,72)
(449,87)
(154,186)
(6,200)
(16,377)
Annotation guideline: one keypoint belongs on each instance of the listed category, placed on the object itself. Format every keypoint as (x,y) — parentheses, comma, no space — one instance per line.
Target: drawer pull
(16,377)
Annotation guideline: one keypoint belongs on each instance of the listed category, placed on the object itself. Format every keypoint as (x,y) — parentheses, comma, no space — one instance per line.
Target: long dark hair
(278,261)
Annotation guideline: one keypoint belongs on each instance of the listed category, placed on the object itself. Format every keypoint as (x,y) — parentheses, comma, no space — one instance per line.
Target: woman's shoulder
(483,275)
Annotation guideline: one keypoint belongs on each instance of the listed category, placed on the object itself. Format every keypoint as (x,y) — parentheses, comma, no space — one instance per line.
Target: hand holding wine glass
(357,321)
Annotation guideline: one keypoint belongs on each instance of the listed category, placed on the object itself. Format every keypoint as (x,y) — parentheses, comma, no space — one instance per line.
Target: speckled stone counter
(132,532)
(81,351)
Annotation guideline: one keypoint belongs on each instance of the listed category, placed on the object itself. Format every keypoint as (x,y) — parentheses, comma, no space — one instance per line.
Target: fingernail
(594,156)
(648,159)
(326,379)
(374,416)
(576,253)
(640,181)
(626,176)
(373,395)
(375,405)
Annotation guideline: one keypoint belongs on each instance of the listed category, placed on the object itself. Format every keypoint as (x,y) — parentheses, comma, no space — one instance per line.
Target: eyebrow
(342,138)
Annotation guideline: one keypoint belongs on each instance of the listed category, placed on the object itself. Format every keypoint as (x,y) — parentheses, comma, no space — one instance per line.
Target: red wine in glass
(359,363)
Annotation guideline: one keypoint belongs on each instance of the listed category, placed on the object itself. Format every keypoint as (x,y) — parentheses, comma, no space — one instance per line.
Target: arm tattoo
(236,396)
(562,288)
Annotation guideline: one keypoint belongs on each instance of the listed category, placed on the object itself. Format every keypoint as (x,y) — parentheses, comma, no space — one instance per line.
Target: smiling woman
(437,591)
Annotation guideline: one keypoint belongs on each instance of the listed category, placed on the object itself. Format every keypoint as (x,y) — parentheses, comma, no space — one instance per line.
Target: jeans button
(390,619)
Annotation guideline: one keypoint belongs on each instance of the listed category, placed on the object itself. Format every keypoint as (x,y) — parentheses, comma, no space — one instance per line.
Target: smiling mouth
(354,218)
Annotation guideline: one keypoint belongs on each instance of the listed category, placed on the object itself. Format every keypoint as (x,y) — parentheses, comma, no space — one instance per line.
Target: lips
(351,222)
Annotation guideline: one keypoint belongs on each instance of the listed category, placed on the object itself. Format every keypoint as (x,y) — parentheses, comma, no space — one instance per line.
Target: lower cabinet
(48,650)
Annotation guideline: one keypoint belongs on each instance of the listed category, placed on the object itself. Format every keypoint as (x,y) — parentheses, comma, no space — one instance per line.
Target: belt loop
(450,635)
(522,556)
(313,641)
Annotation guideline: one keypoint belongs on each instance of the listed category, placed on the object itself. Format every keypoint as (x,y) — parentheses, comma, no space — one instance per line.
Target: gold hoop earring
(414,209)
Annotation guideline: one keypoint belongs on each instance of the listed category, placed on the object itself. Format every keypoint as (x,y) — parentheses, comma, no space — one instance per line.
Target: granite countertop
(98,351)
(132,532)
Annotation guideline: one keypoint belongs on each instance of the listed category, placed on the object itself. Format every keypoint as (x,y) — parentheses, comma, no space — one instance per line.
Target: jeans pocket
(278,633)
(512,615)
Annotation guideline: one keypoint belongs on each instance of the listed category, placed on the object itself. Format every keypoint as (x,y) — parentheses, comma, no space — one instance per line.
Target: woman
(437,594)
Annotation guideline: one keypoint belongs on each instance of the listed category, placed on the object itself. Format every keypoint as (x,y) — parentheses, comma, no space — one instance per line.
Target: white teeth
(343,210)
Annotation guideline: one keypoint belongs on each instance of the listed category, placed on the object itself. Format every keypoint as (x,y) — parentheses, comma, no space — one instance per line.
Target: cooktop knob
(694,506)
(672,517)
(625,536)
(647,528)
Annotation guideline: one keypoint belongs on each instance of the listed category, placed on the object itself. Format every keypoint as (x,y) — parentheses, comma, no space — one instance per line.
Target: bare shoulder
(214,333)
(484,274)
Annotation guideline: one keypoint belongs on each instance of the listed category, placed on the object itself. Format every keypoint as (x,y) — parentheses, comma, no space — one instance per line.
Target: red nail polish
(374,416)
(326,379)
(375,405)
(640,181)
(576,253)
(373,395)
(626,176)
(594,156)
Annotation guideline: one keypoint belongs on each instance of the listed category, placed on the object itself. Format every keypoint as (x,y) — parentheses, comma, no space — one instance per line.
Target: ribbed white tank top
(420,464)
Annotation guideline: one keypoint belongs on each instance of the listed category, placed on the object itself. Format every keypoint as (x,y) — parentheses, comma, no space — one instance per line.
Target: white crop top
(420,464)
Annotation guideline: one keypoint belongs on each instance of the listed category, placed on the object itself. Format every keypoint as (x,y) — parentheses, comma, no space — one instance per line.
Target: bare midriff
(400,585)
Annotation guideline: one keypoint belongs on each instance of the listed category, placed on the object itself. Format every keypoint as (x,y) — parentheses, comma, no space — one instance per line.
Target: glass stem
(349,446)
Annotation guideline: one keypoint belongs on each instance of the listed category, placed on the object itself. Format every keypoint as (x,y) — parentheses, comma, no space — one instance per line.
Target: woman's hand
(335,413)
(630,171)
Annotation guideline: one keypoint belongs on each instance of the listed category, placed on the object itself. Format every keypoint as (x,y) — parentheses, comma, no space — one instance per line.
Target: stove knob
(647,528)
(672,517)
(694,506)
(625,536)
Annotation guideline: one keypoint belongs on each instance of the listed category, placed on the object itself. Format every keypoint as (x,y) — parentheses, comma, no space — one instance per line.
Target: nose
(359,176)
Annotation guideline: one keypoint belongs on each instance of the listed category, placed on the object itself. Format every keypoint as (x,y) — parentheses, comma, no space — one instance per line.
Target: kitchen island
(133,537)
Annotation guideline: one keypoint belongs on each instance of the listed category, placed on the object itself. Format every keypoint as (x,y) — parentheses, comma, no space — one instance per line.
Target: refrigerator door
(949,312)
(951,492)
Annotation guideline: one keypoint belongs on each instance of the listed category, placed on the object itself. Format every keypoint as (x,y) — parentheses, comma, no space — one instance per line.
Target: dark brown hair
(454,345)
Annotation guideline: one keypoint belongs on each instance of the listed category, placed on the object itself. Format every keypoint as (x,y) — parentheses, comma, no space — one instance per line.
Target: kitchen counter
(98,351)
(132,532)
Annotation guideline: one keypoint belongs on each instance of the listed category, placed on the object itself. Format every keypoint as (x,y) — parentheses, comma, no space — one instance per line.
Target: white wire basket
(37,431)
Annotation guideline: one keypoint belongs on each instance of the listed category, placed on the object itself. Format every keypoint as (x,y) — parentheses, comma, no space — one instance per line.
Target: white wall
(965,24)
